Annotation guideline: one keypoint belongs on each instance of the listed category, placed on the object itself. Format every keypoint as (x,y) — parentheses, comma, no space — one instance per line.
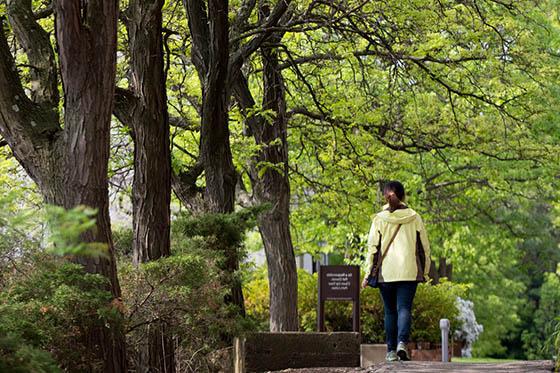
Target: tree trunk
(87,49)
(151,190)
(152,159)
(210,54)
(69,165)
(214,143)
(272,186)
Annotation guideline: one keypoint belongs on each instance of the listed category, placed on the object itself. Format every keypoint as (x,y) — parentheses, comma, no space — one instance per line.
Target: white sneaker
(391,356)
(402,352)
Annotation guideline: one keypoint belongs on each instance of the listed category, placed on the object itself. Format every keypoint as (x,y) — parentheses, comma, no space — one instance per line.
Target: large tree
(268,173)
(209,28)
(143,109)
(68,163)
(270,186)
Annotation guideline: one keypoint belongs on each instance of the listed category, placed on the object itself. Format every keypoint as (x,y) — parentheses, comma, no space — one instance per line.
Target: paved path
(437,367)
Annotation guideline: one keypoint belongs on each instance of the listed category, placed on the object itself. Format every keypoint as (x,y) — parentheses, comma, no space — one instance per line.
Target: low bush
(555,339)
(40,310)
(539,342)
(17,356)
(186,291)
(432,303)
(47,304)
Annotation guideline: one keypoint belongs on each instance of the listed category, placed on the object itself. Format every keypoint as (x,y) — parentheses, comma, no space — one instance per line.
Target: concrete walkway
(437,367)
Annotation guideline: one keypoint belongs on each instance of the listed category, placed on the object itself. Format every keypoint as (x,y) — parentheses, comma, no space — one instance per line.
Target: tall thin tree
(143,109)
(209,28)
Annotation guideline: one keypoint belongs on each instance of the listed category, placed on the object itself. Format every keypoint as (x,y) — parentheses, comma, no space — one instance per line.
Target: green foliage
(47,304)
(475,169)
(67,227)
(184,293)
(21,227)
(16,356)
(431,304)
(455,98)
(223,234)
(40,309)
(123,240)
(487,258)
(539,341)
(227,229)
(555,340)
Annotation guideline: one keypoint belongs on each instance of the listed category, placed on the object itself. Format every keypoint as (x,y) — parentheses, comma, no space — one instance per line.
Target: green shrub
(371,315)
(186,291)
(122,241)
(539,342)
(51,307)
(555,341)
(431,304)
(47,304)
(17,356)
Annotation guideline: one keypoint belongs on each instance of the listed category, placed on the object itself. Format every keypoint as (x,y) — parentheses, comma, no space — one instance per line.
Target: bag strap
(375,270)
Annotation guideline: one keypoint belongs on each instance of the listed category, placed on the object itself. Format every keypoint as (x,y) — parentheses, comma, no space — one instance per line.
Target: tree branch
(242,18)
(124,106)
(200,33)
(241,54)
(36,43)
(19,117)
(184,123)
(185,188)
(30,130)
(44,13)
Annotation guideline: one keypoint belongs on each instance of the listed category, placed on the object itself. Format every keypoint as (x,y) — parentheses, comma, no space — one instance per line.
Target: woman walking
(398,259)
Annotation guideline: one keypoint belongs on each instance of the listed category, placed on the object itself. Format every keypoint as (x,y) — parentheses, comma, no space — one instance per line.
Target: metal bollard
(444,326)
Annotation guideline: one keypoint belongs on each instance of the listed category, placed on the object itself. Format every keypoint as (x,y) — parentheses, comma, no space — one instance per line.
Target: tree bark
(210,54)
(214,144)
(272,186)
(186,190)
(87,40)
(151,189)
(69,165)
(152,159)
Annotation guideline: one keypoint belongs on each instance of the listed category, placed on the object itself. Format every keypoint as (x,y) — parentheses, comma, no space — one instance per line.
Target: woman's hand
(364,283)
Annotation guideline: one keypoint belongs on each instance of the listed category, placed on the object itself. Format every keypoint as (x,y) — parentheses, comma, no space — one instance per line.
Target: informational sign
(339,283)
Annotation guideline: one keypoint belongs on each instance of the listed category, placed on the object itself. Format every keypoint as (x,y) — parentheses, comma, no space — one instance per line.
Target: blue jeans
(397,301)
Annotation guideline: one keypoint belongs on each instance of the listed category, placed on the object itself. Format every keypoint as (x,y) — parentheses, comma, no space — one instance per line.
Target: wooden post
(356,313)
(239,355)
(320,305)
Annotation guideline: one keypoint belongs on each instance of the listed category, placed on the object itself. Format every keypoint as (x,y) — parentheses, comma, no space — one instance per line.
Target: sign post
(339,283)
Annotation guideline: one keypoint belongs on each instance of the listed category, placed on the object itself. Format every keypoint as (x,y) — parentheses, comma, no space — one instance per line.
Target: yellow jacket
(408,258)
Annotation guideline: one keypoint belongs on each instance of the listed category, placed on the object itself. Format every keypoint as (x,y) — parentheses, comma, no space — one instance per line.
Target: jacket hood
(401,216)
